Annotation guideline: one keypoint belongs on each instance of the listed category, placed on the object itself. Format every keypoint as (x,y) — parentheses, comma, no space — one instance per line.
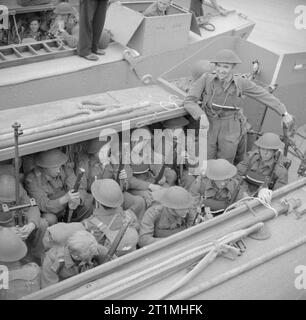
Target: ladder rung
(18,54)
(47,47)
(33,51)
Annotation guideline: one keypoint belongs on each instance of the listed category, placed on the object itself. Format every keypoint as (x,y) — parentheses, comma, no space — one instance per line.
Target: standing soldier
(34,227)
(264,163)
(221,93)
(174,214)
(100,166)
(23,279)
(80,253)
(51,184)
(218,188)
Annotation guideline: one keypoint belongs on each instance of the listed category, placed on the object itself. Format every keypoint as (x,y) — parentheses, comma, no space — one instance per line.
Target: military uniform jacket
(23,280)
(104,224)
(159,222)
(58,265)
(32,214)
(47,190)
(253,162)
(209,89)
(204,189)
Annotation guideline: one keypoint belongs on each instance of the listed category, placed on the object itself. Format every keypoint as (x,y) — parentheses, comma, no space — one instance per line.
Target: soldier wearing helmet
(109,217)
(65,24)
(34,227)
(23,279)
(216,187)
(99,163)
(158,8)
(179,157)
(173,213)
(220,93)
(258,164)
(79,253)
(51,184)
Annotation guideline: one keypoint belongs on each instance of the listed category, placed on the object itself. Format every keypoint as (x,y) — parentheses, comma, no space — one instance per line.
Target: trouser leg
(241,149)
(98,23)
(86,12)
(212,138)
(35,240)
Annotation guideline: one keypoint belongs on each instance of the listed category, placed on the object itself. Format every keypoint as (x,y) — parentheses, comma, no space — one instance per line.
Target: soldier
(178,158)
(65,24)
(34,227)
(257,166)
(98,165)
(217,188)
(158,8)
(51,184)
(80,253)
(220,93)
(174,213)
(108,218)
(23,279)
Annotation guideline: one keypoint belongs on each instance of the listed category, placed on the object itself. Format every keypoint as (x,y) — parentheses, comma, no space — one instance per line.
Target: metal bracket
(6,208)
(240,244)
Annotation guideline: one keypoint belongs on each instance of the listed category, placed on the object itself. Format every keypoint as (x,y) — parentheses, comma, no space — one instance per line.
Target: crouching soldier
(173,214)
(218,188)
(98,162)
(32,228)
(22,279)
(265,168)
(51,184)
(80,253)
(108,218)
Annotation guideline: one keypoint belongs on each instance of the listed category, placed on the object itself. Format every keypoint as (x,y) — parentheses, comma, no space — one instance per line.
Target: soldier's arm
(146,233)
(41,197)
(194,95)
(260,94)
(70,181)
(49,275)
(32,213)
(243,166)
(195,191)
(72,39)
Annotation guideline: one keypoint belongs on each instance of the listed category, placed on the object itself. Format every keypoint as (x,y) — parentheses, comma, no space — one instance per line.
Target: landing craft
(153,272)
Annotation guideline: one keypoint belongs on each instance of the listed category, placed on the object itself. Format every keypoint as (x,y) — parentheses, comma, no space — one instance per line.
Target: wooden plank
(2,56)
(32,50)
(17,53)
(122,22)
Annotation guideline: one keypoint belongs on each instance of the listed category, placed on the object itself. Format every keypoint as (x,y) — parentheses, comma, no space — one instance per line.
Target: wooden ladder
(14,55)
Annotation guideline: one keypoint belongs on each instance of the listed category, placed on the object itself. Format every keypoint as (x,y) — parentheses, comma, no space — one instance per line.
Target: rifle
(75,189)
(19,216)
(122,183)
(116,241)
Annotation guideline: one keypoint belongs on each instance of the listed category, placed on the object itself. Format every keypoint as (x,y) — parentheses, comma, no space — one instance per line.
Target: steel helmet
(220,169)
(269,140)
(64,8)
(51,158)
(175,123)
(95,145)
(174,197)
(12,248)
(107,192)
(226,56)
(201,67)
(140,168)
(7,188)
